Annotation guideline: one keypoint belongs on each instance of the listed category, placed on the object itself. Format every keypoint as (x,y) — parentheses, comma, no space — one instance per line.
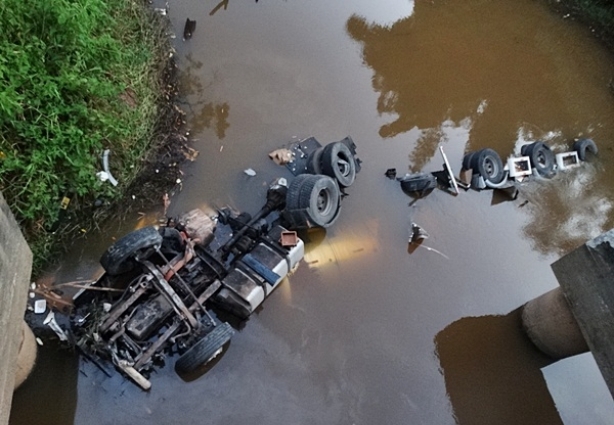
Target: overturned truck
(165,289)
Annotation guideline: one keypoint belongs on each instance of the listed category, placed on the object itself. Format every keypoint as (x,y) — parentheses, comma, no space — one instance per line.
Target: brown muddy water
(365,332)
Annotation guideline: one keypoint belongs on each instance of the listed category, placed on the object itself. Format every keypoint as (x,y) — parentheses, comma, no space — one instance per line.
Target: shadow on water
(493,373)
(49,395)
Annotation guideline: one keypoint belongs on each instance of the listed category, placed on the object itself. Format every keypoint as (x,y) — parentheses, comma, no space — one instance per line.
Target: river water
(366,331)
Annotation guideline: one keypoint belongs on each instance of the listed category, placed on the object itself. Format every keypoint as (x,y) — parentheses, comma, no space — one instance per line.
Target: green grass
(76,77)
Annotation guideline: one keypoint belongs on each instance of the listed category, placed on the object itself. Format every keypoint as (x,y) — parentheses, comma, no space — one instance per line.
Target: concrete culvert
(551,326)
(26,357)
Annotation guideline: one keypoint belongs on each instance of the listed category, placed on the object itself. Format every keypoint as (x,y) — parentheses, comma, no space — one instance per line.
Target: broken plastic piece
(105,167)
(50,321)
(40,306)
(250,172)
(102,176)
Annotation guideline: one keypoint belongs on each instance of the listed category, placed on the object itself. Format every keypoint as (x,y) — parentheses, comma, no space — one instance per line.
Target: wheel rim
(344,167)
(323,201)
(491,168)
(540,158)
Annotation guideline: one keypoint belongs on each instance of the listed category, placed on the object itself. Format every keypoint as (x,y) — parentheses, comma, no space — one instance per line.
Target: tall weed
(76,77)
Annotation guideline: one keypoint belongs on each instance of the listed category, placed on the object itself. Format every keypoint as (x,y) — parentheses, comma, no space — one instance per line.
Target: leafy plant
(76,77)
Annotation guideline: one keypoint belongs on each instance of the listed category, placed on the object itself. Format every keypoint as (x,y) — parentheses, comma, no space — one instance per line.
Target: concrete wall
(15,269)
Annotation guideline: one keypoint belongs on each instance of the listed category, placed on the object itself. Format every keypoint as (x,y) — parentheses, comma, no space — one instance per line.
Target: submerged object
(418,185)
(188,29)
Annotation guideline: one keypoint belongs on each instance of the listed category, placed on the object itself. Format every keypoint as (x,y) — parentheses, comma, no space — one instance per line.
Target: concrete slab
(586,276)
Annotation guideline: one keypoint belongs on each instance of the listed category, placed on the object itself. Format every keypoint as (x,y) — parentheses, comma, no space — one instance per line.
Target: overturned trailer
(166,288)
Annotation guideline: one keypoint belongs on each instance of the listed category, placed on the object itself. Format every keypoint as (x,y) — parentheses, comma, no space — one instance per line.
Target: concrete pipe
(551,326)
(26,357)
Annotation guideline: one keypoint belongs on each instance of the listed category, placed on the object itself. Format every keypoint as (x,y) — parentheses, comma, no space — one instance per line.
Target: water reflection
(493,373)
(468,66)
(210,115)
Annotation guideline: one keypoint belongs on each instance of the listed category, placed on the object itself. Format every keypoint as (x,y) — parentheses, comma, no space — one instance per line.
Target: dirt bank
(598,15)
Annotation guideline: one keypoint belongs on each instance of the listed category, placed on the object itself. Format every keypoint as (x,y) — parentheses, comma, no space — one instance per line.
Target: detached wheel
(317,196)
(584,145)
(338,162)
(314,159)
(488,164)
(119,257)
(205,350)
(467,160)
(542,158)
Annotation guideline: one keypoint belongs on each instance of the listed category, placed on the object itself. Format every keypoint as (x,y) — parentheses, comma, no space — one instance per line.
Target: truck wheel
(320,195)
(314,165)
(118,258)
(292,195)
(488,164)
(584,145)
(338,162)
(204,350)
(542,158)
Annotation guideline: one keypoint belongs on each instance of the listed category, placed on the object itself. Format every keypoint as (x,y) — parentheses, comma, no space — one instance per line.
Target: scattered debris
(105,167)
(188,29)
(418,185)
(250,172)
(281,156)
(190,153)
(40,306)
(391,173)
(418,234)
(166,202)
(50,321)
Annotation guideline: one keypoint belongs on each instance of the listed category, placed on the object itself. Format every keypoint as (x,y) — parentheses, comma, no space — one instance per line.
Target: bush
(76,77)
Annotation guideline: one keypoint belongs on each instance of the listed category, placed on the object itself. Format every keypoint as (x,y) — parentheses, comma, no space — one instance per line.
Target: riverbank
(598,15)
(80,78)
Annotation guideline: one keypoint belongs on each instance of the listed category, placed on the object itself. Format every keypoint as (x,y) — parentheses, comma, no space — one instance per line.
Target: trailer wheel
(205,350)
(119,257)
(584,145)
(542,158)
(338,162)
(467,160)
(488,164)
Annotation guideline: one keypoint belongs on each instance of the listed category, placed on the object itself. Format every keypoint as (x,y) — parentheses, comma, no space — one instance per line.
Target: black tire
(204,350)
(318,196)
(467,159)
(418,185)
(118,258)
(488,164)
(542,158)
(338,162)
(585,145)
(292,195)
(314,162)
